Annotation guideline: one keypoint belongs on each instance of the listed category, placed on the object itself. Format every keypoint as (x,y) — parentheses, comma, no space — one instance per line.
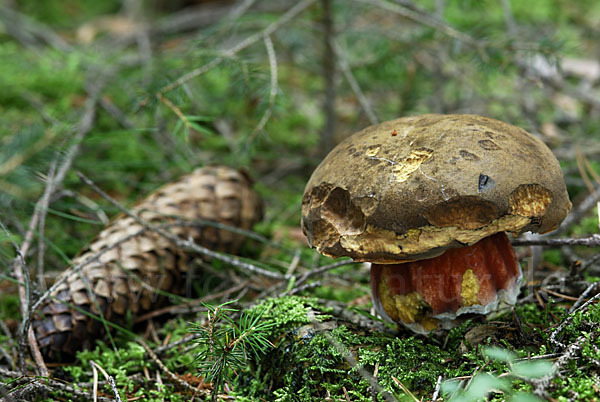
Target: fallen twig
(95,368)
(542,383)
(580,210)
(298,289)
(169,373)
(568,319)
(321,270)
(436,391)
(583,296)
(272,91)
(22,392)
(423,19)
(186,307)
(362,99)
(285,18)
(590,241)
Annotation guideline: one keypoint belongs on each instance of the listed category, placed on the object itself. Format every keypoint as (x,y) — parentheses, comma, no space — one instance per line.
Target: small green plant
(226,346)
(483,383)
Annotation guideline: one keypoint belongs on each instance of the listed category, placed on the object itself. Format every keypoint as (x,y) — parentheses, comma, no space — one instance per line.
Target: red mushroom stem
(462,280)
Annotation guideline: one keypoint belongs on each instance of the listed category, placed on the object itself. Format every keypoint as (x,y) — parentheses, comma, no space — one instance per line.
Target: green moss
(310,362)
(9,306)
(576,386)
(290,312)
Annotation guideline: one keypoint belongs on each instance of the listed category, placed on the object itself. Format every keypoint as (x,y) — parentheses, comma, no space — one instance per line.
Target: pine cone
(126,277)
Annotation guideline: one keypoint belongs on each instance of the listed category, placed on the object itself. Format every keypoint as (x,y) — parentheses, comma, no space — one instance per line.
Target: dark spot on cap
(485,183)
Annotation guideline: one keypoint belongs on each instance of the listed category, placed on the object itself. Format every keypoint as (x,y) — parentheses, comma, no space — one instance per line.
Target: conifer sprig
(226,345)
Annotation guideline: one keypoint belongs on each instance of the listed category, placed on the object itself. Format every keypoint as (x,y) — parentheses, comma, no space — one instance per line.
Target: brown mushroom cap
(410,188)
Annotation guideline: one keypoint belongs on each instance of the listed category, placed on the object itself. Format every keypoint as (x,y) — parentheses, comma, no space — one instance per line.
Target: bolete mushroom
(428,201)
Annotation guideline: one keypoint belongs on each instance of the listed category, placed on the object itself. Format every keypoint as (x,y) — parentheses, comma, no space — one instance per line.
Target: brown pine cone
(127,277)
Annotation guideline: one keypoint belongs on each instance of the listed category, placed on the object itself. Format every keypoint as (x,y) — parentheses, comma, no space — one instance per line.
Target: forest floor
(134,95)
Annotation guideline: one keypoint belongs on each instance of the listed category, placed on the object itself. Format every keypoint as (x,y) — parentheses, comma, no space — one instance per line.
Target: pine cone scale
(130,270)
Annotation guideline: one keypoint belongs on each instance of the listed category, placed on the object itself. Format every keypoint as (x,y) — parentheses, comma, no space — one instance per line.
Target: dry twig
(169,373)
(252,39)
(321,270)
(568,319)
(347,71)
(36,385)
(590,241)
(272,91)
(542,384)
(424,19)
(95,368)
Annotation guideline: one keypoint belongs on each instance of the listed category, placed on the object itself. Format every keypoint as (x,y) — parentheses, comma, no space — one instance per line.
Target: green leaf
(532,368)
(450,386)
(484,383)
(496,353)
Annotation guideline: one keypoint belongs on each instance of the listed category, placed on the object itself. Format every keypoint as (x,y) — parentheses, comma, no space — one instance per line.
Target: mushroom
(427,200)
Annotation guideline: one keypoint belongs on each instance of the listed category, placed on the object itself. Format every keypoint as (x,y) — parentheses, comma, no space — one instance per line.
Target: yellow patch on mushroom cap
(372,150)
(415,158)
(469,288)
(530,200)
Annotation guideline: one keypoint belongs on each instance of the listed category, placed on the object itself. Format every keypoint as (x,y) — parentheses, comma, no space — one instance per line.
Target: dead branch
(568,319)
(424,19)
(583,296)
(42,224)
(591,241)
(37,385)
(95,368)
(320,270)
(189,306)
(6,396)
(168,372)
(580,210)
(571,351)
(30,32)
(252,39)
(272,91)
(347,71)
(20,271)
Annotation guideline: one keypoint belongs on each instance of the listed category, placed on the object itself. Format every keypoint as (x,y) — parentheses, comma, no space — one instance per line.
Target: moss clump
(290,312)
(131,359)
(316,356)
